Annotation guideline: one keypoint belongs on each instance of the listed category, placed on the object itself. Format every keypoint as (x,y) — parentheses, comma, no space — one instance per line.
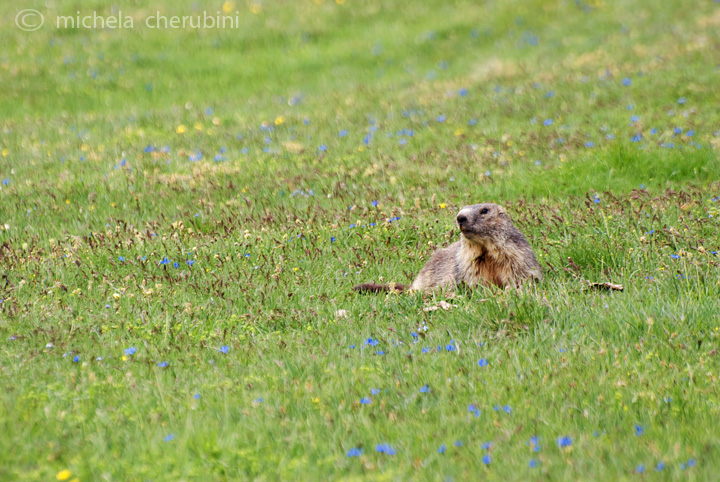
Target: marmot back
(491,251)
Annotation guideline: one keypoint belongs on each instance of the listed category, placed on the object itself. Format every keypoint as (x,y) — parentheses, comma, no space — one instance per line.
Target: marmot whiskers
(491,251)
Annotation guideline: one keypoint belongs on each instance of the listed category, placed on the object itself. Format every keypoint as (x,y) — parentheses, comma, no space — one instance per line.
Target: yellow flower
(67,201)
(181,129)
(228,6)
(255,8)
(198,126)
(442,206)
(340,2)
(279,120)
(5,152)
(63,474)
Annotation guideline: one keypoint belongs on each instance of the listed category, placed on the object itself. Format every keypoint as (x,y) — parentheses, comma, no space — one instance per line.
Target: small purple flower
(486,459)
(385,449)
(548,122)
(130,351)
(224,349)
(442,449)
(366,400)
(637,138)
(374,391)
(169,437)
(660,466)
(163,364)
(354,452)
(638,430)
(564,441)
(441,118)
(533,463)
(682,100)
(640,469)
(424,389)
(196,396)
(76,359)
(483,362)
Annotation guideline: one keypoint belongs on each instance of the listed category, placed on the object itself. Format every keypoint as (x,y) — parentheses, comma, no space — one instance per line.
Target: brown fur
(491,251)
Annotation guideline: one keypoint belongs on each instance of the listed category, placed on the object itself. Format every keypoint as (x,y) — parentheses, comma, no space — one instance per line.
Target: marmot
(491,251)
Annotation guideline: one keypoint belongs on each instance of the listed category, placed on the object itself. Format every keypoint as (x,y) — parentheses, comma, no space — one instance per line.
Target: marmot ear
(501,210)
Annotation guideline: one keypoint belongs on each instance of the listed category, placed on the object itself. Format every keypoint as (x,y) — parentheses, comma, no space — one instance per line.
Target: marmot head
(483,222)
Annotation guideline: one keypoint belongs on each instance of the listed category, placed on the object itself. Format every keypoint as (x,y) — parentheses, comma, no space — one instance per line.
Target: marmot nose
(461,219)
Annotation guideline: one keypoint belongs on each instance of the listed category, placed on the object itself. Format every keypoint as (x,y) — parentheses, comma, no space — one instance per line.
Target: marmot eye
(484,211)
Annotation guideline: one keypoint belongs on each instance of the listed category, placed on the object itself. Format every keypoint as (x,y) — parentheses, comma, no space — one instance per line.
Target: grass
(183,214)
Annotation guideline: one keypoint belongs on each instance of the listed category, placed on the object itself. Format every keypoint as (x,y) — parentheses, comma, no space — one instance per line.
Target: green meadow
(184,213)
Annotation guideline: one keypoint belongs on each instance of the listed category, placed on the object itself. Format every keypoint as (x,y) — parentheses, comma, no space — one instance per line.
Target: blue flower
(450,347)
(354,452)
(472,122)
(690,133)
(634,118)
(674,256)
(6,181)
(165,260)
(385,449)
(374,203)
(196,396)
(366,400)
(653,131)
(190,262)
(121,259)
(507,409)
(483,362)
(564,441)
(342,133)
(441,118)
(176,264)
(486,445)
(637,138)
(463,92)
(332,239)
(322,148)
(638,430)
(426,350)
(533,463)
(442,449)
(691,463)
(351,346)
(677,131)
(424,389)
(589,144)
(548,122)
(76,358)
(163,364)
(640,469)
(371,342)
(626,81)
(660,466)
(458,443)
(169,437)
(682,100)
(486,459)
(258,400)
(374,391)
(130,351)
(224,349)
